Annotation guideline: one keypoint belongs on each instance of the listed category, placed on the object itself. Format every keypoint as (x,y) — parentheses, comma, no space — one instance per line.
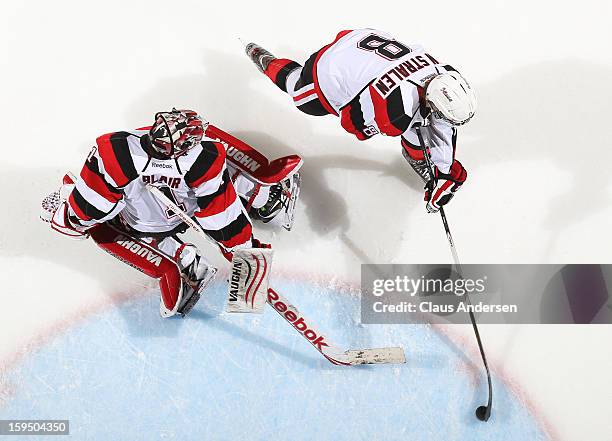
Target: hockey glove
(440,190)
(56,211)
(62,224)
(255,243)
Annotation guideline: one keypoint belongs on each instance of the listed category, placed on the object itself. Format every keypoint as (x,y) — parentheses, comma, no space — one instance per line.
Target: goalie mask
(175,132)
(451,98)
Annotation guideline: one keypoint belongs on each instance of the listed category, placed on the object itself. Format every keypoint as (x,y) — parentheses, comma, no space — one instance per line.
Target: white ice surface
(538,153)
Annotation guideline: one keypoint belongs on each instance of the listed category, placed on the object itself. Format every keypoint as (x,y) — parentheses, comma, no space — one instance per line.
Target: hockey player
(376,84)
(111,203)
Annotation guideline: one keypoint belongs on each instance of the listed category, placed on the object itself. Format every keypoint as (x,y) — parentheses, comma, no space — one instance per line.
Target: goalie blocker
(291,314)
(248,282)
(182,278)
(249,291)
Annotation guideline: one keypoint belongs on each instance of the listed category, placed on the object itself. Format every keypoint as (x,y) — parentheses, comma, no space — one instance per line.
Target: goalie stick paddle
(483,413)
(330,351)
(290,313)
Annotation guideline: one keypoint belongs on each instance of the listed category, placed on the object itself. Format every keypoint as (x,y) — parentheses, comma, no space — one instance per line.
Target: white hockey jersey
(376,84)
(114,178)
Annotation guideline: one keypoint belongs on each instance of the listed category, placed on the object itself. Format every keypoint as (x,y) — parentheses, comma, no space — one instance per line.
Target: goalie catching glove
(441,189)
(57,213)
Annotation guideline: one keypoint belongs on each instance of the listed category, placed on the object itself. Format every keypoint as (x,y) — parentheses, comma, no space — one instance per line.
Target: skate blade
(289,215)
(187,307)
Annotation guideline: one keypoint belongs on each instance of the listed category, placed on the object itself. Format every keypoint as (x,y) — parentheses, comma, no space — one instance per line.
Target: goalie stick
(290,313)
(483,413)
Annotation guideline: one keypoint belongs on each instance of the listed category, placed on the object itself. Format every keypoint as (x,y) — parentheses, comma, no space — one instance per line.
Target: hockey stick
(483,413)
(291,314)
(330,351)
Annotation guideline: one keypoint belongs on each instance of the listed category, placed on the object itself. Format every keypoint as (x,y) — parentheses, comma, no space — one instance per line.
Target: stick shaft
(331,352)
(459,270)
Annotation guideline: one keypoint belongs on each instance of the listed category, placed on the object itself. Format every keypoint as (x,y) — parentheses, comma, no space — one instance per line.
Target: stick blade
(376,356)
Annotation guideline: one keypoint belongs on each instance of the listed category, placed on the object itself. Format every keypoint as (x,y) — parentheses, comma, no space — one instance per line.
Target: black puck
(481,413)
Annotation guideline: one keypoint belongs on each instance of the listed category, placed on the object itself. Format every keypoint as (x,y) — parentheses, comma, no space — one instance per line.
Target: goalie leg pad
(253,193)
(145,258)
(196,271)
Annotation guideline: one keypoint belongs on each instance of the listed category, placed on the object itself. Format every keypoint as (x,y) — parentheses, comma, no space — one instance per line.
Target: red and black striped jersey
(114,177)
(373,82)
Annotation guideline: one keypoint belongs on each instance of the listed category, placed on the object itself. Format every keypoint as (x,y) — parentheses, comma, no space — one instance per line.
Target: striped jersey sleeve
(441,137)
(98,196)
(219,212)
(389,114)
